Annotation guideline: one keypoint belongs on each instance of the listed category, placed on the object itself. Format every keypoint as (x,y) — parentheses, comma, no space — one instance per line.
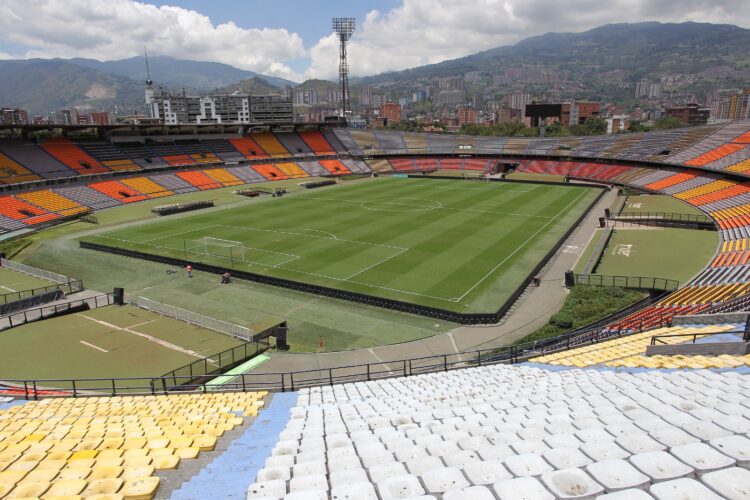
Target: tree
(595,126)
(667,122)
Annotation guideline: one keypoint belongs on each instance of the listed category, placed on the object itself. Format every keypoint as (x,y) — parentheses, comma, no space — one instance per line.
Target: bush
(584,305)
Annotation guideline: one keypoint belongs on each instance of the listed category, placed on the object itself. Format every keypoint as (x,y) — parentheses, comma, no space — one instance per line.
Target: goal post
(216,247)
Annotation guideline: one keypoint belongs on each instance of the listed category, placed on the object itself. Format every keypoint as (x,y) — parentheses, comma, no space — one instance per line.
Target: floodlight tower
(344,28)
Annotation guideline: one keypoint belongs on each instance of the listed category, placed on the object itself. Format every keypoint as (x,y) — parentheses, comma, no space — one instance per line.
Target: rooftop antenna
(148,70)
(344,28)
(149,84)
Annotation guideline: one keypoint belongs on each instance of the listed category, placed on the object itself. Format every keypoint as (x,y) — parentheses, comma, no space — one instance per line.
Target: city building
(648,89)
(466,116)
(690,115)
(390,112)
(449,98)
(222,108)
(518,101)
(730,104)
(13,116)
(568,113)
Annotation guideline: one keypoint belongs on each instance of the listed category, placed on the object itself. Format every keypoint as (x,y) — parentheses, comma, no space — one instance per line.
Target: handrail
(657,338)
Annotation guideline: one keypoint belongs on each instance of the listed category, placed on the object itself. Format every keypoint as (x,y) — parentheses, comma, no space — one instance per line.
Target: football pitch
(464,246)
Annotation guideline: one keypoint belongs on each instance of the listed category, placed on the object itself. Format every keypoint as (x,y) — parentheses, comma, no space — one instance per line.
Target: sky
(292,38)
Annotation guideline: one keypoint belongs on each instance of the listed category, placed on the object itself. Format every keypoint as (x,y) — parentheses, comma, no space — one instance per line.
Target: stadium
(312,311)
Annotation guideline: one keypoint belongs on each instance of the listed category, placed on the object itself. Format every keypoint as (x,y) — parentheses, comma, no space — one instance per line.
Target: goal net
(216,247)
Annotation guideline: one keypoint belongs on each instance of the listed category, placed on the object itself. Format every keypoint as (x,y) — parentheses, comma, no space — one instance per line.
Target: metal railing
(44,312)
(217,325)
(70,287)
(39,273)
(638,282)
(694,336)
(667,216)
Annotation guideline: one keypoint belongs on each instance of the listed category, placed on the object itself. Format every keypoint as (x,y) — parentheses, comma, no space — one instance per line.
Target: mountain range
(602,64)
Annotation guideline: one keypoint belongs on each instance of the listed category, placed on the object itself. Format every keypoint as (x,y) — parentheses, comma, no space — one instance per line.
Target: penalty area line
(92,346)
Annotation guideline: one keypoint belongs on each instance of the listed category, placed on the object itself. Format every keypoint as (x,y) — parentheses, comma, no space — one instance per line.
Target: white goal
(216,247)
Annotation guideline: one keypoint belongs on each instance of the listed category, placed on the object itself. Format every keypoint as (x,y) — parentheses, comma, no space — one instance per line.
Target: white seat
(444,479)
(660,466)
(421,465)
(639,442)
(571,483)
(705,431)
(461,458)
(682,489)
(354,491)
(280,461)
(631,494)
(309,468)
(604,450)
(262,489)
(732,483)
(521,488)
(527,464)
(495,452)
(273,474)
(736,447)
(616,475)
(473,492)
(349,476)
(397,487)
(315,482)
(487,472)
(565,458)
(671,436)
(701,457)
(307,495)
(380,472)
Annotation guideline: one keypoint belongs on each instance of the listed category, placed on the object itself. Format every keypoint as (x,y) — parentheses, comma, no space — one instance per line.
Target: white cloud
(415,33)
(429,31)
(115,29)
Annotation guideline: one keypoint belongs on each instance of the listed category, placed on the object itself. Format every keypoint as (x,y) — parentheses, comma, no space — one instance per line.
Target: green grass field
(106,342)
(658,203)
(463,246)
(14,281)
(671,253)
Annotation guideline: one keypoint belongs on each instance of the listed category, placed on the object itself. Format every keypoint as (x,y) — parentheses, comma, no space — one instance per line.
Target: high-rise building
(365,96)
(466,116)
(13,116)
(518,101)
(391,112)
(730,104)
(691,114)
(222,108)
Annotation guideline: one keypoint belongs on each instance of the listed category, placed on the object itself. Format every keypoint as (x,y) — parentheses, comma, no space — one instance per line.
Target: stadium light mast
(344,28)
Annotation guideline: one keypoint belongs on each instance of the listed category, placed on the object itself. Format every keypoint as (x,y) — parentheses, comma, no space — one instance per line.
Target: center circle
(402,205)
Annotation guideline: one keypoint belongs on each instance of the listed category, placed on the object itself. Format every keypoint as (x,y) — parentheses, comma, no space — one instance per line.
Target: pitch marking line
(178,234)
(291,232)
(151,338)
(376,264)
(522,245)
(92,346)
(8,288)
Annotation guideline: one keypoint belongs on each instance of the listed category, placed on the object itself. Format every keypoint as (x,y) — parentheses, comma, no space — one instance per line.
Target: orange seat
(270,172)
(20,210)
(335,167)
(672,180)
(248,147)
(715,154)
(179,160)
(291,170)
(271,145)
(118,191)
(317,142)
(65,151)
(198,179)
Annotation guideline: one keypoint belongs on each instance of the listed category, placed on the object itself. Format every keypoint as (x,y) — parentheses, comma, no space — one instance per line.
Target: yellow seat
(137,471)
(187,452)
(140,489)
(103,487)
(32,490)
(204,442)
(137,461)
(74,473)
(66,487)
(166,462)
(104,472)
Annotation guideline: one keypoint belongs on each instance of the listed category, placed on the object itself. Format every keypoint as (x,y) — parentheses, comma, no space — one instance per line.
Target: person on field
(189,270)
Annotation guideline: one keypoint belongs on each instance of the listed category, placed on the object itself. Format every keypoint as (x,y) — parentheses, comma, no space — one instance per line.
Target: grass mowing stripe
(467,242)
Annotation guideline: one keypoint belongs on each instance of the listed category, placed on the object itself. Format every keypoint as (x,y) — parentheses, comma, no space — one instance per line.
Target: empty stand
(248,147)
(223,149)
(335,167)
(224,176)
(118,191)
(334,141)
(292,170)
(70,154)
(293,143)
(52,202)
(271,145)
(313,168)
(19,210)
(198,179)
(84,195)
(317,143)
(270,172)
(35,159)
(147,186)
(174,183)
(247,174)
(12,173)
